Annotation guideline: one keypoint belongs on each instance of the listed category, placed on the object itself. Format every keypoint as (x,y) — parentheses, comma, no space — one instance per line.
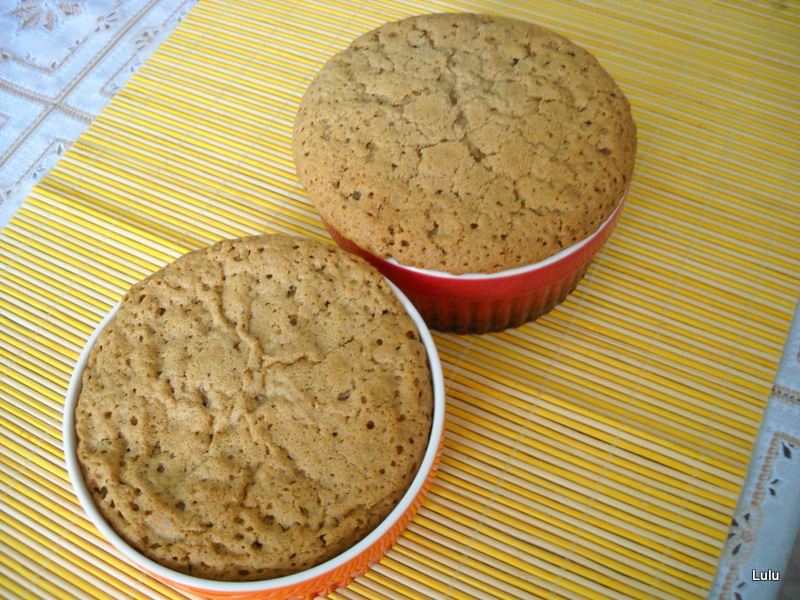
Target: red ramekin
(483,302)
(305,585)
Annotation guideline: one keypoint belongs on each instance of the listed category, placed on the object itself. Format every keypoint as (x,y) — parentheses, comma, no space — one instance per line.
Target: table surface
(601,451)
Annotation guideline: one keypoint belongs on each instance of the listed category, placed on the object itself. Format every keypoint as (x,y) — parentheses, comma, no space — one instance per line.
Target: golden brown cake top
(464,142)
(254,408)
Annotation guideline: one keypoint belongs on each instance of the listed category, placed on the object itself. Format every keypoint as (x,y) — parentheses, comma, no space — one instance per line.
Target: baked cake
(464,142)
(254,408)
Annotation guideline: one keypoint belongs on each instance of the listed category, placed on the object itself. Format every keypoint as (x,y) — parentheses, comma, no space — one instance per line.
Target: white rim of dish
(85,498)
(517,270)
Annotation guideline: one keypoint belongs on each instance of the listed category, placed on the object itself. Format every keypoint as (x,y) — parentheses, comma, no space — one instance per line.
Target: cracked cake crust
(254,408)
(464,142)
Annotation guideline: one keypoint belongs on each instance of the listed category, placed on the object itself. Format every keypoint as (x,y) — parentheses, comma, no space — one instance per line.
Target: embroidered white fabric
(759,561)
(60,64)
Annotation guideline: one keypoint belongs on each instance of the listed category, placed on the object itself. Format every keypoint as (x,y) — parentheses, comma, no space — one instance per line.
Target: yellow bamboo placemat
(598,452)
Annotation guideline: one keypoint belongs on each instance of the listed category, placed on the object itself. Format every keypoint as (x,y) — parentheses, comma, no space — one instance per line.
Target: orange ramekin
(483,302)
(316,581)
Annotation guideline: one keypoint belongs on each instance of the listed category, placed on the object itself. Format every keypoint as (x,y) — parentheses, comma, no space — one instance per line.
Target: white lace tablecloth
(62,61)
(756,563)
